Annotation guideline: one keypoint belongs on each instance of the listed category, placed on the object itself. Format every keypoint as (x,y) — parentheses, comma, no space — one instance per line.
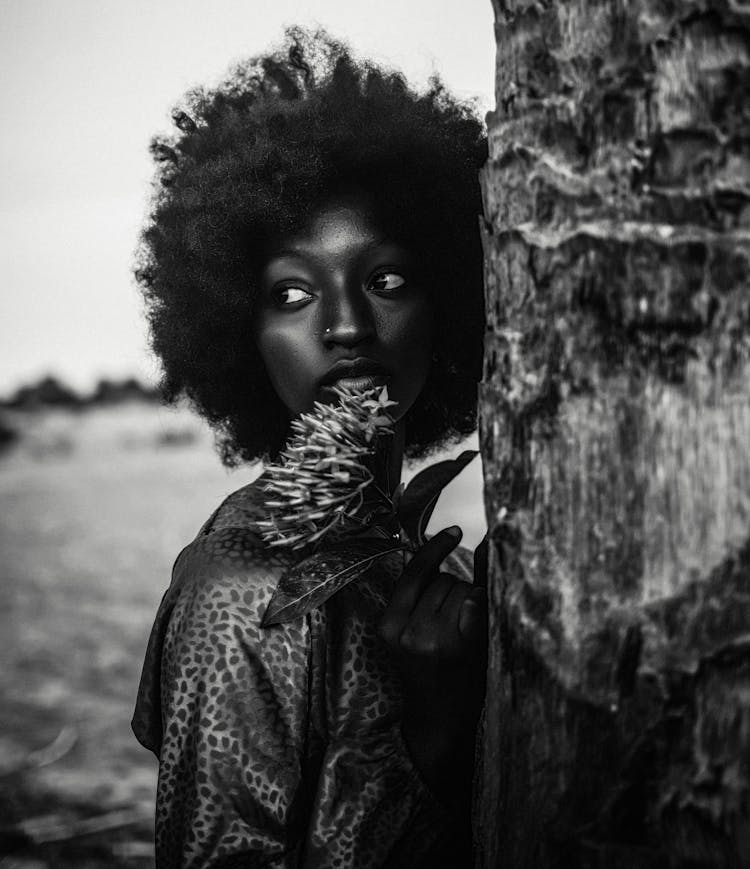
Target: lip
(355,370)
(357,384)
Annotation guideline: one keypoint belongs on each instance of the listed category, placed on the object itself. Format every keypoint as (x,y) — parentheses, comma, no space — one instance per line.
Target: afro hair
(252,159)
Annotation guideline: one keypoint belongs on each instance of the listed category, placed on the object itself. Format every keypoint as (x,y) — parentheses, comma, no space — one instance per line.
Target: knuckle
(409,641)
(419,643)
(408,645)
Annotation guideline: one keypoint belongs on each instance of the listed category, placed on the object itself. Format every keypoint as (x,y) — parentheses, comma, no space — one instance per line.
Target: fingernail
(454,531)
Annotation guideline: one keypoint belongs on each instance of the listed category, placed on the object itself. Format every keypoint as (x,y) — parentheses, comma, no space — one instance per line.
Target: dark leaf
(420,496)
(310,583)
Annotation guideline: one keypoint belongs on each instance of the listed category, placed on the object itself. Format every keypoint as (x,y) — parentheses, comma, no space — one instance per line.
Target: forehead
(340,224)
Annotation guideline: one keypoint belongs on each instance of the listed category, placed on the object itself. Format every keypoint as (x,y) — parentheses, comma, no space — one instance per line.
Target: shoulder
(215,655)
(228,566)
(243,508)
(226,580)
(221,585)
(225,577)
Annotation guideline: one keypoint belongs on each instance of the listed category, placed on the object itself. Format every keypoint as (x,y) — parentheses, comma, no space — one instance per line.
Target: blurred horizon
(53,390)
(91,84)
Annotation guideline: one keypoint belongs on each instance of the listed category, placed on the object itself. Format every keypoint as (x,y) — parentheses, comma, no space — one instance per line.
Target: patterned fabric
(279,747)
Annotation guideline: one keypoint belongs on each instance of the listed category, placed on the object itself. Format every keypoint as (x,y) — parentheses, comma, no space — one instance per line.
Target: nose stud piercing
(327,330)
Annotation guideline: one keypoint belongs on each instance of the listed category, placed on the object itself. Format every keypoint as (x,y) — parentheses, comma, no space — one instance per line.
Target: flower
(318,487)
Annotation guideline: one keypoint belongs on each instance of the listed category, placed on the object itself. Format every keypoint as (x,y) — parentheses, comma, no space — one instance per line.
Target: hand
(434,614)
(436,629)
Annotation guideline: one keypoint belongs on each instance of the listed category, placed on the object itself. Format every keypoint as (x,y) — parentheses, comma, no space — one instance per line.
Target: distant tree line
(50,391)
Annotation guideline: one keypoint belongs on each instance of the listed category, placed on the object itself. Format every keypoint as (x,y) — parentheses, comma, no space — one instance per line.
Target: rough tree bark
(616,436)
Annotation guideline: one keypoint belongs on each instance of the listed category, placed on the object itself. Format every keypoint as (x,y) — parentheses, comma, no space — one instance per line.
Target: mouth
(357,374)
(358,384)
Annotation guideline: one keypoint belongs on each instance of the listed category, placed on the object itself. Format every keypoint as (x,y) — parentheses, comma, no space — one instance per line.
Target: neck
(388,460)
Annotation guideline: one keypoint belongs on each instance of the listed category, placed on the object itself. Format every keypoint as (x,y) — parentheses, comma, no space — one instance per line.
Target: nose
(348,320)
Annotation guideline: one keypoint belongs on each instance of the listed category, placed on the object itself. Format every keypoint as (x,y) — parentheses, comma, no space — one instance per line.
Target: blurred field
(95,507)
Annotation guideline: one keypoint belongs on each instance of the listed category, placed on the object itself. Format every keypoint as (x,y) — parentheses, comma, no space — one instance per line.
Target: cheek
(285,355)
(412,335)
(410,343)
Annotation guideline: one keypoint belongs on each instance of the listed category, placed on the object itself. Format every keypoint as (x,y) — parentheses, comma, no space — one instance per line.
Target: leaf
(310,583)
(460,562)
(420,496)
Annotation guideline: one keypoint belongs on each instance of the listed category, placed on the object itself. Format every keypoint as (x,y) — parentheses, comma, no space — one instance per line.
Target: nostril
(346,337)
(349,330)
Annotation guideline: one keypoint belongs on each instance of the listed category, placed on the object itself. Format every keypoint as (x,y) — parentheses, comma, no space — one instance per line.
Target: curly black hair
(253,158)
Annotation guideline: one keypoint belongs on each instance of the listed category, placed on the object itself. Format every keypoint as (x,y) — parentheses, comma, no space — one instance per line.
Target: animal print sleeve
(234,705)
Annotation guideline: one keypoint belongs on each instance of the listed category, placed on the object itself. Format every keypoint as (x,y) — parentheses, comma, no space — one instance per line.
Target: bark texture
(616,436)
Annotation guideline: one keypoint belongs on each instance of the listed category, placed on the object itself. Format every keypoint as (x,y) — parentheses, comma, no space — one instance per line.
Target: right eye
(291,295)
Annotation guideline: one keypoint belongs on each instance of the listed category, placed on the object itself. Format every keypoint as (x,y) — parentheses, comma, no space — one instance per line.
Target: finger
(432,598)
(424,632)
(480,563)
(452,604)
(472,618)
(420,571)
(421,622)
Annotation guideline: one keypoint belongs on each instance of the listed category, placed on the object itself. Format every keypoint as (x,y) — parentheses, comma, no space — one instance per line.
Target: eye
(387,282)
(284,296)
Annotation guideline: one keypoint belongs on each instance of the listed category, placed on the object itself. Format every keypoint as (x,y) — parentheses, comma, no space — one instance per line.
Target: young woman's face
(341,302)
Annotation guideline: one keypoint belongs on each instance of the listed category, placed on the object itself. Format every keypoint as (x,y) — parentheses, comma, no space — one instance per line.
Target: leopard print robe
(279,747)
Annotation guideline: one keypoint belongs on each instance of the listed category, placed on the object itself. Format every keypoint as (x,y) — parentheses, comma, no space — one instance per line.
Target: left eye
(387,282)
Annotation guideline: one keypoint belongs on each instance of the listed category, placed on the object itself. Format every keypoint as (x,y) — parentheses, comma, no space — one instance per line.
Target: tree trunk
(616,436)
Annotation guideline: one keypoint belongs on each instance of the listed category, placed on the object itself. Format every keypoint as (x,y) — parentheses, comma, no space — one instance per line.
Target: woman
(316,223)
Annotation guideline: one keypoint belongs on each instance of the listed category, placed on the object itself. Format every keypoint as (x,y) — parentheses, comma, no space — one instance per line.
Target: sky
(86,83)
